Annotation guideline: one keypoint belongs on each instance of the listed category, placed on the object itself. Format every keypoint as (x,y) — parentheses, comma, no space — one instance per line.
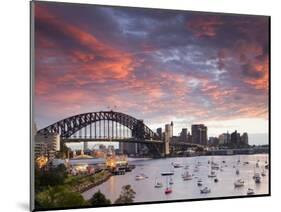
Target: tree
(127,195)
(99,199)
(51,177)
(57,197)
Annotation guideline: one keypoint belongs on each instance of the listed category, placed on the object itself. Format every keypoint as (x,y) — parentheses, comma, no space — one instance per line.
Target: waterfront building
(47,145)
(213,141)
(199,134)
(85,146)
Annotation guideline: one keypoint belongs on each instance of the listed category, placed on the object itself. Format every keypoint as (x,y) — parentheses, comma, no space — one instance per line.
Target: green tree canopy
(99,199)
(127,195)
(59,196)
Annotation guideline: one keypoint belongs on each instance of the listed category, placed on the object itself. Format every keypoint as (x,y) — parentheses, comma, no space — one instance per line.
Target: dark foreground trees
(127,195)
(99,199)
(57,197)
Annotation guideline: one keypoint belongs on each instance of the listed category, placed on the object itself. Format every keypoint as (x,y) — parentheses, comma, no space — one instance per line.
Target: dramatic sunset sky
(156,65)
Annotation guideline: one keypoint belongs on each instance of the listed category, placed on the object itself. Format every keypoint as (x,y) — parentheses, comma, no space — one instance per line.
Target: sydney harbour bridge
(110,126)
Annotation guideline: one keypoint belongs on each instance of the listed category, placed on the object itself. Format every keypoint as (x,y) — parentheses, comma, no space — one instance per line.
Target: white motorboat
(139,177)
(205,190)
(239,183)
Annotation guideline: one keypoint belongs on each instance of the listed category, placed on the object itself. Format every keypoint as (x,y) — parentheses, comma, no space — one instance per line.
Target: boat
(263,173)
(250,191)
(167,173)
(186,176)
(205,190)
(196,169)
(212,174)
(257,164)
(216,180)
(177,165)
(199,183)
(215,166)
(266,166)
(168,190)
(171,182)
(158,184)
(239,183)
(139,177)
(237,172)
(246,163)
(257,179)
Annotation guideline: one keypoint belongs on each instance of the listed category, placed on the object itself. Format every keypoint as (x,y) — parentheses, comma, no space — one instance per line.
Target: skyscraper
(159,132)
(235,138)
(244,139)
(183,135)
(199,134)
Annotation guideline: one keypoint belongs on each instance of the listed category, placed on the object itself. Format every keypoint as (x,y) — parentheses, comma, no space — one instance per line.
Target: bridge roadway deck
(130,140)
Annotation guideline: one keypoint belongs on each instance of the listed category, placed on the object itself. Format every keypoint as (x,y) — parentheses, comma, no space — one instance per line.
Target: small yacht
(258,179)
(239,183)
(186,176)
(205,190)
(250,191)
(186,167)
(177,165)
(171,182)
(158,184)
(212,174)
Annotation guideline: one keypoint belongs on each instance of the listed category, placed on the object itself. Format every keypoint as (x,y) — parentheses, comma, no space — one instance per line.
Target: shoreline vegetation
(56,189)
(83,183)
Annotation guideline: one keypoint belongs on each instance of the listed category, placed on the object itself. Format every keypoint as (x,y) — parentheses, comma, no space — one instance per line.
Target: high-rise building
(235,138)
(224,138)
(159,132)
(199,134)
(47,145)
(184,135)
(245,139)
(168,136)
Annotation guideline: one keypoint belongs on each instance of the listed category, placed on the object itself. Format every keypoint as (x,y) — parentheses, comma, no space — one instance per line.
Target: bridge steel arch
(69,126)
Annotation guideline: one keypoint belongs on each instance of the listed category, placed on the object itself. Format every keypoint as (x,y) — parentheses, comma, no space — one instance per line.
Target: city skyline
(157,66)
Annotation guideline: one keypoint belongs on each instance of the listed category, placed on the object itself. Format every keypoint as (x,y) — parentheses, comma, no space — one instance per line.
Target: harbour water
(152,168)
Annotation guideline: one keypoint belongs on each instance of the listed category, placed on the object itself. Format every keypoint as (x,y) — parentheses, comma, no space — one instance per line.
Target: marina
(156,177)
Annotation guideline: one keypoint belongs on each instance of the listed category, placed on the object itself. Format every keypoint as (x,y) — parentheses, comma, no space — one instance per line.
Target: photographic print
(138,105)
